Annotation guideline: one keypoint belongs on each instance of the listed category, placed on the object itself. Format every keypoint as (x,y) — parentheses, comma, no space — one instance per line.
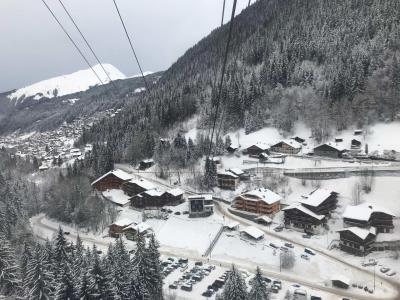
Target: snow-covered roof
(263,194)
(237,171)
(266,219)
(341,278)
(204,196)
(253,232)
(154,193)
(227,173)
(387,237)
(146,161)
(141,227)
(362,233)
(316,197)
(363,211)
(232,224)
(305,210)
(338,147)
(263,146)
(291,143)
(117,196)
(118,173)
(234,145)
(175,192)
(123,222)
(143,183)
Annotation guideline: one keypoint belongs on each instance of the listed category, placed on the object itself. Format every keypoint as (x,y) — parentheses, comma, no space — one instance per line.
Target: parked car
(177,213)
(391,273)
(306,236)
(289,245)
(198,263)
(273,245)
(173,286)
(384,269)
(315,297)
(278,228)
(187,287)
(309,251)
(208,293)
(275,289)
(304,256)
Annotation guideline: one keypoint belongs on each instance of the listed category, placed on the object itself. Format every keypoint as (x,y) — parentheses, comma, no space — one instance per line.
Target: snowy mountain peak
(67,84)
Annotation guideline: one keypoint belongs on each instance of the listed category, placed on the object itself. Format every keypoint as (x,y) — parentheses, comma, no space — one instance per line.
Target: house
(366,215)
(150,198)
(340,281)
(299,217)
(330,150)
(137,186)
(117,228)
(257,149)
(111,180)
(356,240)
(386,242)
(253,232)
(133,230)
(259,201)
(145,164)
(320,201)
(239,172)
(355,144)
(227,180)
(174,196)
(287,147)
(200,205)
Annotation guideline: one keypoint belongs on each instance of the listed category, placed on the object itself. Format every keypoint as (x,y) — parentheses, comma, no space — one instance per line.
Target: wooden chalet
(173,196)
(227,180)
(132,231)
(257,149)
(287,147)
(117,228)
(150,198)
(260,201)
(357,241)
(366,215)
(111,180)
(137,186)
(320,201)
(239,172)
(355,144)
(340,281)
(329,150)
(299,217)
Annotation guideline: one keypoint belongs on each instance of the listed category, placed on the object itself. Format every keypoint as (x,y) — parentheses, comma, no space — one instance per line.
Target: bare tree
(357,192)
(367,180)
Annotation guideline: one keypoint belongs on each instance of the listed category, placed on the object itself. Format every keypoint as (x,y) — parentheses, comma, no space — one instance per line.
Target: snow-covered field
(68,84)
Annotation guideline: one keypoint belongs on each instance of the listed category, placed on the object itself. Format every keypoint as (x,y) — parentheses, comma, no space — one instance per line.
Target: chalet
(287,146)
(145,164)
(253,232)
(117,228)
(257,149)
(133,230)
(200,205)
(355,144)
(227,180)
(340,281)
(111,180)
(117,197)
(366,215)
(260,201)
(174,196)
(137,186)
(357,241)
(239,172)
(150,198)
(320,201)
(301,218)
(329,150)
(386,241)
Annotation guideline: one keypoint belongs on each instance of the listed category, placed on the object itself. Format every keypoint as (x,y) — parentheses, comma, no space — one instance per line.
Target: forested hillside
(328,63)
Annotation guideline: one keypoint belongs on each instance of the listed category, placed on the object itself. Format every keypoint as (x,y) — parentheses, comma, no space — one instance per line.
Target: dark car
(173,286)
(273,245)
(177,213)
(315,298)
(208,293)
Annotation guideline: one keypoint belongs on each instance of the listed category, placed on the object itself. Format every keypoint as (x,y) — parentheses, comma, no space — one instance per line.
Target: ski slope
(67,84)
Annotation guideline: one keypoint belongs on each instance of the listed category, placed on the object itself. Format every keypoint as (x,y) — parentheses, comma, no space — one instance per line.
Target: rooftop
(362,233)
(363,211)
(253,232)
(316,197)
(147,185)
(118,173)
(263,194)
(305,210)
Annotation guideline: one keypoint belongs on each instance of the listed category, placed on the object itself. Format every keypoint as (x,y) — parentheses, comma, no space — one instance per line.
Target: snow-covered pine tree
(38,278)
(258,287)
(66,288)
(9,269)
(142,265)
(210,175)
(26,255)
(60,253)
(83,288)
(235,287)
(121,269)
(156,289)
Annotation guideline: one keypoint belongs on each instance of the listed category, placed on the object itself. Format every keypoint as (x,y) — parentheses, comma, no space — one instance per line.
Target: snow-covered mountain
(67,84)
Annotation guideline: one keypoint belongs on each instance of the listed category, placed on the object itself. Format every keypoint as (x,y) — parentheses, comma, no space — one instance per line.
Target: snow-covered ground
(68,84)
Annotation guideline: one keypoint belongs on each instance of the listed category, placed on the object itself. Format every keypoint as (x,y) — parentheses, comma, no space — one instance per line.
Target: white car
(391,273)
(384,269)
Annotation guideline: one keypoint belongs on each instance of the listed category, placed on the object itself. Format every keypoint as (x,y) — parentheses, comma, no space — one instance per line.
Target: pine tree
(66,289)
(155,267)
(9,270)
(60,245)
(142,265)
(83,290)
(210,175)
(258,287)
(235,287)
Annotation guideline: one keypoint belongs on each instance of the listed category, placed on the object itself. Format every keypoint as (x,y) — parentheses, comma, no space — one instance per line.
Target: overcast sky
(34,48)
